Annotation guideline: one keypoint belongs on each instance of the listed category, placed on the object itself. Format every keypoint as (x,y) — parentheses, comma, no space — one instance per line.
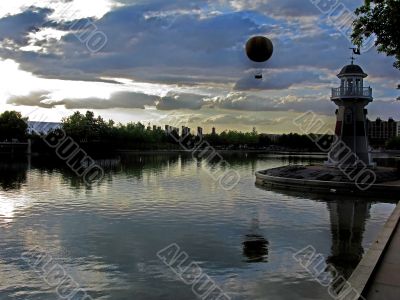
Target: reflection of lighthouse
(347,228)
(351,98)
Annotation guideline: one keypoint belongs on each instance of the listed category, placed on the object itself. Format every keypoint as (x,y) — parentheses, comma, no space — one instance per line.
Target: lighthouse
(351,97)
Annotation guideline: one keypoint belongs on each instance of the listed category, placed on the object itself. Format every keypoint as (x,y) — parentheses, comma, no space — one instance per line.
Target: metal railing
(351,92)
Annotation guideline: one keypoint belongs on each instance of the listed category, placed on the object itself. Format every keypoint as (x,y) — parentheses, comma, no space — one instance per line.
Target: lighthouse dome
(352,70)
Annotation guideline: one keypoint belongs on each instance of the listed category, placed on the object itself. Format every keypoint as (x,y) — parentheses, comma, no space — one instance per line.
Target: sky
(182,62)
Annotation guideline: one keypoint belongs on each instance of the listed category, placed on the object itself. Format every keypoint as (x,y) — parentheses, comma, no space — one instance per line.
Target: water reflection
(10,206)
(134,166)
(255,246)
(348,219)
(13,173)
(108,236)
(348,216)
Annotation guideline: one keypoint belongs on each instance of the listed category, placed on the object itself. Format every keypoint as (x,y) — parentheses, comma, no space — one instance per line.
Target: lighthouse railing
(351,92)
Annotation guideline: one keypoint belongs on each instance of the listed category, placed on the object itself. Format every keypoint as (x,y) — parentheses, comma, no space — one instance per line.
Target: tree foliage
(86,127)
(233,138)
(13,126)
(393,144)
(382,19)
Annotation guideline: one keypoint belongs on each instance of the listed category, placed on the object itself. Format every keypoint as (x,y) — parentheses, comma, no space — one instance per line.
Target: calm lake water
(107,237)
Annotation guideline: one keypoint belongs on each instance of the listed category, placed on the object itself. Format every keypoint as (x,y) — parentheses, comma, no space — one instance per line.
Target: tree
(85,127)
(381,18)
(393,143)
(13,126)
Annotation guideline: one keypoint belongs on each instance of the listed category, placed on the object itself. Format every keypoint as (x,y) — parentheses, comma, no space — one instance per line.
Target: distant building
(185,131)
(274,137)
(214,131)
(42,127)
(380,131)
(199,131)
(170,130)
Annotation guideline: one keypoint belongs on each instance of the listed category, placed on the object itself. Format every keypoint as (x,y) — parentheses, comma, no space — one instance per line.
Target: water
(106,237)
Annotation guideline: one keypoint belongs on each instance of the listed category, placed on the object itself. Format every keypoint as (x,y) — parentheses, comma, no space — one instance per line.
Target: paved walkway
(385,283)
(377,276)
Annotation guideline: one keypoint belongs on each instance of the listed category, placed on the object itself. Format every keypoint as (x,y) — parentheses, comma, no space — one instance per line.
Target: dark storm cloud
(164,36)
(16,27)
(117,100)
(278,80)
(243,102)
(36,98)
(241,119)
(181,101)
(140,36)
(169,41)
(280,8)
(283,8)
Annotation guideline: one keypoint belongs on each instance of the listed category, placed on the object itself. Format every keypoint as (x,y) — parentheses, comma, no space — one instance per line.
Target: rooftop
(352,70)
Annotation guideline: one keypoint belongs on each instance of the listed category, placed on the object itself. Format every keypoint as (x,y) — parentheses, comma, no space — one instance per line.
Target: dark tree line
(393,144)
(87,128)
(94,133)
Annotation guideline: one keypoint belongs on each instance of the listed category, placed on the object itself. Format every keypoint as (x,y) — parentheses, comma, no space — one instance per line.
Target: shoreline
(375,154)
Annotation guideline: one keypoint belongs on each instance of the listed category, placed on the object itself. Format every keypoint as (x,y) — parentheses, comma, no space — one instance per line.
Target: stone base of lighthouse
(381,182)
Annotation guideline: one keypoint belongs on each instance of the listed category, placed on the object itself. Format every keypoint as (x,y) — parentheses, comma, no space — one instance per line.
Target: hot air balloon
(259,49)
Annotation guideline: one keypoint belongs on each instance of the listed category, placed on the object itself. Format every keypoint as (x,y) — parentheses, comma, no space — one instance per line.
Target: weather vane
(355,51)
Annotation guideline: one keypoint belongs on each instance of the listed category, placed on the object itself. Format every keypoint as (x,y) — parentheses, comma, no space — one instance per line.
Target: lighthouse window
(348,116)
(350,83)
(358,84)
(349,86)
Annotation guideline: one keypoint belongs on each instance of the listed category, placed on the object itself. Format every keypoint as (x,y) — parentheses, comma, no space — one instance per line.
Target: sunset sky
(180,62)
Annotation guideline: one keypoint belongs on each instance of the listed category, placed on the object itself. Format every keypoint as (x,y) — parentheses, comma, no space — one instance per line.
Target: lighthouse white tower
(351,126)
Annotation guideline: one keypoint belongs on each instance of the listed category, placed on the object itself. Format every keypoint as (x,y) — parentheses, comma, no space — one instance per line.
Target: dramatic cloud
(138,37)
(180,101)
(117,100)
(279,8)
(178,41)
(249,120)
(18,26)
(37,98)
(278,80)
(244,102)
(61,9)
